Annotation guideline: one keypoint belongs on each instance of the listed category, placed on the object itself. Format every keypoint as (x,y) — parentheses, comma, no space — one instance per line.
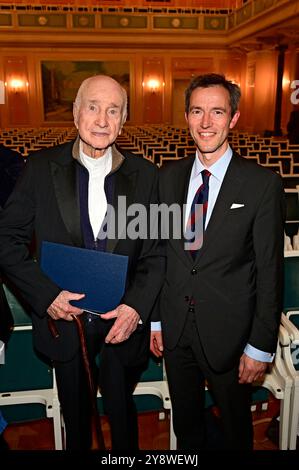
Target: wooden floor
(154,433)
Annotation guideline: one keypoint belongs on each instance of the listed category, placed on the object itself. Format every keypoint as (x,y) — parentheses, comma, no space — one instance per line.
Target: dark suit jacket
(236,279)
(45,201)
(11,165)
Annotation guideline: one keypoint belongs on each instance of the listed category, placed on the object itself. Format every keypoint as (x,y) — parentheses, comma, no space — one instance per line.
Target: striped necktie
(197,217)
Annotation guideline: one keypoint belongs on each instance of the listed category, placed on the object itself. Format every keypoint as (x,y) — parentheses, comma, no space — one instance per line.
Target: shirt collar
(94,164)
(117,157)
(218,169)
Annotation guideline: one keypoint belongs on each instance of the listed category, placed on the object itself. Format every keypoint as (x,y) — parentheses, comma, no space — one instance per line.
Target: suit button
(194,271)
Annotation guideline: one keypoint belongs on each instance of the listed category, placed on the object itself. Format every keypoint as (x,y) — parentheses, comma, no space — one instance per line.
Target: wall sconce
(17,85)
(286,82)
(153,85)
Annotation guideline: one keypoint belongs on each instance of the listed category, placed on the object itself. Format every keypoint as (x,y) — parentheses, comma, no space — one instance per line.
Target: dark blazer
(236,279)
(45,202)
(11,165)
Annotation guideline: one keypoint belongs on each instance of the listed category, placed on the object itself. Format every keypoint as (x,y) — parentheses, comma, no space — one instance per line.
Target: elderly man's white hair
(86,83)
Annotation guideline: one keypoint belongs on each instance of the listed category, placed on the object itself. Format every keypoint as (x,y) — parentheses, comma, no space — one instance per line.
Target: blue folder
(99,275)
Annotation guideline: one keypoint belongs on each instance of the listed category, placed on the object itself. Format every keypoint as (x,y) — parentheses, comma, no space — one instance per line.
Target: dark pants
(187,368)
(116,382)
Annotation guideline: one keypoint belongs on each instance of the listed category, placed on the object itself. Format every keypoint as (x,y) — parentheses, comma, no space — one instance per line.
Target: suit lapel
(65,187)
(180,191)
(124,185)
(231,185)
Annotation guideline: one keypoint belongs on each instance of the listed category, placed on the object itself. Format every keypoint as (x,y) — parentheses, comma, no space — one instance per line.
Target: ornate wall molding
(136,26)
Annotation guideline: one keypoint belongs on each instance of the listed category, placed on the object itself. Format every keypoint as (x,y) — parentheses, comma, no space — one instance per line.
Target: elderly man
(63,197)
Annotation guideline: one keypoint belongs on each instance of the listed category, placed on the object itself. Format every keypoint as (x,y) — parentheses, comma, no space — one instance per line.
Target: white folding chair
(279,383)
(291,362)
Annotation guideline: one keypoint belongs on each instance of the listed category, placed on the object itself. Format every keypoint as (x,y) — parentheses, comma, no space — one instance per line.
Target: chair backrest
(291,280)
(154,371)
(145,396)
(20,313)
(24,370)
(292,214)
(287,243)
(293,316)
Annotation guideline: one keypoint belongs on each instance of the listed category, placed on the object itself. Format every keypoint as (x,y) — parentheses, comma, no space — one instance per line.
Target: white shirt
(217,170)
(98,169)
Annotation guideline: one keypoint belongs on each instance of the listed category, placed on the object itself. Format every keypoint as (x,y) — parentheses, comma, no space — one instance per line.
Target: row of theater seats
(28,140)
(32,382)
(162,144)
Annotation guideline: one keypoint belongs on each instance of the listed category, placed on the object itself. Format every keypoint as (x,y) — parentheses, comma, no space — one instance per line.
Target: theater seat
(291,362)
(27,390)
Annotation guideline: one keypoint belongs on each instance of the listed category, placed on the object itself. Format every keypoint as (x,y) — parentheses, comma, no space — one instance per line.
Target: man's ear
(234,120)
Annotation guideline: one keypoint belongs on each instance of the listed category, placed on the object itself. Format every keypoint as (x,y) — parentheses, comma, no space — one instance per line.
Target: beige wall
(260,90)
(254,71)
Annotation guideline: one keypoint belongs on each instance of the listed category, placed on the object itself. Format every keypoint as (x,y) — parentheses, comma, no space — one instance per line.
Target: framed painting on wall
(61,80)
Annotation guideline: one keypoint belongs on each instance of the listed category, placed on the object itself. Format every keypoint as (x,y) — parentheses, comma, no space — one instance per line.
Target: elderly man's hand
(126,322)
(61,309)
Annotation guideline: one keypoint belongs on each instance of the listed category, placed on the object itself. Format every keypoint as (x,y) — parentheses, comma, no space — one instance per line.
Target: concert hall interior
(153,48)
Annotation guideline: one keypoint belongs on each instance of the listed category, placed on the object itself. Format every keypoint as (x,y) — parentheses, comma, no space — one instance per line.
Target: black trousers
(116,383)
(187,369)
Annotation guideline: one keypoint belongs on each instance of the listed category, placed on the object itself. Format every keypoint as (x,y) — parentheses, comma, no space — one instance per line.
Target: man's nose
(206,120)
(101,119)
